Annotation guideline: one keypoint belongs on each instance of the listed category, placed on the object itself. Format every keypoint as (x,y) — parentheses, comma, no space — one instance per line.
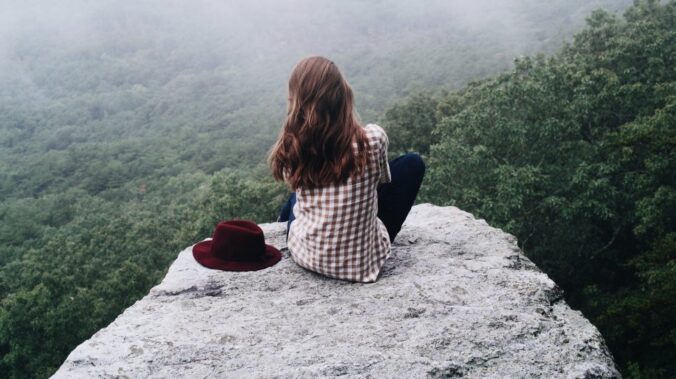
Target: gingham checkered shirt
(336,231)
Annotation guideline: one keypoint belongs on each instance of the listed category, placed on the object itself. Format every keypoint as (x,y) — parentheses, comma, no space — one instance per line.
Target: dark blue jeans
(395,199)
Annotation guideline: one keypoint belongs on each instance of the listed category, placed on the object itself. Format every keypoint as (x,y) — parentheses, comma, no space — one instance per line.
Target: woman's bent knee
(415,163)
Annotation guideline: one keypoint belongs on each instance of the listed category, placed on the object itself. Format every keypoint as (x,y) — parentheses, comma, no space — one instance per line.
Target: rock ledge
(457,298)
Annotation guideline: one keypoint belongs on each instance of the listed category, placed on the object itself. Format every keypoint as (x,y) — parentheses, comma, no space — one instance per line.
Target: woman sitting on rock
(349,203)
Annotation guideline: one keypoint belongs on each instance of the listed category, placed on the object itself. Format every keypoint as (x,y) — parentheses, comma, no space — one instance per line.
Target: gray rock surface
(457,298)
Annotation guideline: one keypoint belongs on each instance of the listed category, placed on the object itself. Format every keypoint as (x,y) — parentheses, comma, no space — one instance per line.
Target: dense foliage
(575,154)
(125,138)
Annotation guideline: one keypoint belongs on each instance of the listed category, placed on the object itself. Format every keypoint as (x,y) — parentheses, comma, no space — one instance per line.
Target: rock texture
(457,298)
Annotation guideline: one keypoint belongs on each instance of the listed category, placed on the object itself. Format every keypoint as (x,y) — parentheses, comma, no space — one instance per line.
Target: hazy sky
(304,24)
(401,45)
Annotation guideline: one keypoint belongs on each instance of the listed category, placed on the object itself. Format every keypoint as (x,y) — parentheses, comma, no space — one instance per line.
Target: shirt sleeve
(385,175)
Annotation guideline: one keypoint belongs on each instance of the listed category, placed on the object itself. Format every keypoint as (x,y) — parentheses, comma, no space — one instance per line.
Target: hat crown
(238,240)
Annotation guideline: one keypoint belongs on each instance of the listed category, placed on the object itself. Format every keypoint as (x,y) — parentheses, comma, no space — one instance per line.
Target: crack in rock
(211,289)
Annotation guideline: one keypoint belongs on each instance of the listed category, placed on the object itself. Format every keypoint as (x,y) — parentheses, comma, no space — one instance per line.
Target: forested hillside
(128,129)
(575,154)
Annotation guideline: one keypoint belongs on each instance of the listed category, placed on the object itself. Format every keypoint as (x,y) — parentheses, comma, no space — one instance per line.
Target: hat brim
(202,253)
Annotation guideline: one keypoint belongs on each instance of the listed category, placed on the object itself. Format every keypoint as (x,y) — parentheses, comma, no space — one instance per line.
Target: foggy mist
(254,45)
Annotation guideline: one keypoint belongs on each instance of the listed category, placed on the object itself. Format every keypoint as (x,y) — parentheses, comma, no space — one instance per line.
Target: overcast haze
(255,44)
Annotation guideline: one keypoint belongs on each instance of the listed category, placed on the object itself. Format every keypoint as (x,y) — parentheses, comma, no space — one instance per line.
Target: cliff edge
(457,298)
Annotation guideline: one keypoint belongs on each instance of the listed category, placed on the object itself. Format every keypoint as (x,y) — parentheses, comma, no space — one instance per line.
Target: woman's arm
(385,175)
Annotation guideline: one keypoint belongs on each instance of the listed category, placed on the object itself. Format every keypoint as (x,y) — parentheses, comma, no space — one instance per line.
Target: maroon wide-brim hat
(237,245)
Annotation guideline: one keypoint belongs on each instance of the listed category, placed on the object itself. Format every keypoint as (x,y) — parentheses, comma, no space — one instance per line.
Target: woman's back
(342,222)
(336,231)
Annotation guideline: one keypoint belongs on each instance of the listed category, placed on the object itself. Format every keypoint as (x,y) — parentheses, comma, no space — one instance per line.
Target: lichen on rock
(457,298)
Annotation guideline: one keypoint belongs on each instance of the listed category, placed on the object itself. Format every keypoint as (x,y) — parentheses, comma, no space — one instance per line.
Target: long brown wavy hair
(315,145)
